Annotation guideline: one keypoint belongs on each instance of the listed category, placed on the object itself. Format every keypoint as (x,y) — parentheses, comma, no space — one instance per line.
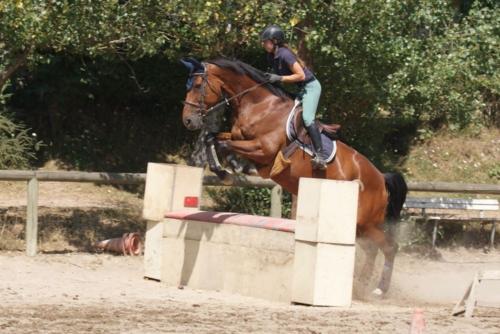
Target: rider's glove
(273,78)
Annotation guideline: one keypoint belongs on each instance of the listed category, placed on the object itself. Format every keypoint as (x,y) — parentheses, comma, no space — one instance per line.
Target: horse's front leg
(236,165)
(214,164)
(216,144)
(249,149)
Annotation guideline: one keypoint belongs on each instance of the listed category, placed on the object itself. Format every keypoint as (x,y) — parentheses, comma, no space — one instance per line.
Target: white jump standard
(310,261)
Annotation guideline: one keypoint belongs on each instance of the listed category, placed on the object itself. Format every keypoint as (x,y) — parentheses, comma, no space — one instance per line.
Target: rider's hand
(273,78)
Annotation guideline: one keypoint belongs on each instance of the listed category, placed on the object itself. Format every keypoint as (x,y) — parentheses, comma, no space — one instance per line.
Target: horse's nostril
(187,121)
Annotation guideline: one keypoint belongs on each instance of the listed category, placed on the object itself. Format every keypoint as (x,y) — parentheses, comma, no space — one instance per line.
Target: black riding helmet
(273,33)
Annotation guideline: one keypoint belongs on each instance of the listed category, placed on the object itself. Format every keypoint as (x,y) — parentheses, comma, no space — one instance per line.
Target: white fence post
(276,201)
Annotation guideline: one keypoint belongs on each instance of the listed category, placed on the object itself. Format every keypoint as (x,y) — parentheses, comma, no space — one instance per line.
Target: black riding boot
(318,161)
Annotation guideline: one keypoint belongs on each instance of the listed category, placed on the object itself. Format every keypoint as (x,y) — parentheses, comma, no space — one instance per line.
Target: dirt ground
(101,293)
(67,194)
(64,291)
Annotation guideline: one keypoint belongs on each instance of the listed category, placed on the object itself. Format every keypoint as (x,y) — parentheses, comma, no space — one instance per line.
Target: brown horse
(259,115)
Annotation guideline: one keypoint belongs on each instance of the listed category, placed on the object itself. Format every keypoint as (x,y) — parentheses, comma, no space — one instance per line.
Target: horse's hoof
(250,170)
(253,172)
(225,177)
(236,167)
(228,179)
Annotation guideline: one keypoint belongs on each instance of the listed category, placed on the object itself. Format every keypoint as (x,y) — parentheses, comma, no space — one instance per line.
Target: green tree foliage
(33,29)
(404,66)
(455,77)
(389,69)
(406,58)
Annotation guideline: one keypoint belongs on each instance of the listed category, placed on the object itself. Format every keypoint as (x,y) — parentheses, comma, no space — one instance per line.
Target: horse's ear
(189,65)
(192,65)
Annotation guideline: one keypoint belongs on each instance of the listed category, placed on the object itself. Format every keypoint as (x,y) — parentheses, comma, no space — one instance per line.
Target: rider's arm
(297,76)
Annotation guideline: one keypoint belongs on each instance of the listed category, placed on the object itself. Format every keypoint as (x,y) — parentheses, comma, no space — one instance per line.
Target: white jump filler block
(167,187)
(325,242)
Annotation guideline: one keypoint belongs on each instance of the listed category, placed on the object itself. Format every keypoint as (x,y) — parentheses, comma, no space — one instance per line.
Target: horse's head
(204,90)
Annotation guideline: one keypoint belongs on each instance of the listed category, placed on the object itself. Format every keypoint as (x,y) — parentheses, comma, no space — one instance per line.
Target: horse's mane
(256,75)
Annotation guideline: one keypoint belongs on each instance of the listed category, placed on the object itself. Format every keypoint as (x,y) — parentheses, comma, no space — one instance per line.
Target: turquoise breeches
(310,99)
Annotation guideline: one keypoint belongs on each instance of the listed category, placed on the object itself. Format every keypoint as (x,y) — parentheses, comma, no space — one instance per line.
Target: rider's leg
(318,161)
(310,101)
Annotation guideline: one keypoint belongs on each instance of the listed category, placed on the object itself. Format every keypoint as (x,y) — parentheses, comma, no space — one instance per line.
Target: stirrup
(318,162)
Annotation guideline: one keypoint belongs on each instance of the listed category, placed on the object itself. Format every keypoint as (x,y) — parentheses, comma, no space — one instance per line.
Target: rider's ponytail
(299,60)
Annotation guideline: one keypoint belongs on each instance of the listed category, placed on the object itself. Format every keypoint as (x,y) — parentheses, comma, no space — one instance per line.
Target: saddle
(331,131)
(298,136)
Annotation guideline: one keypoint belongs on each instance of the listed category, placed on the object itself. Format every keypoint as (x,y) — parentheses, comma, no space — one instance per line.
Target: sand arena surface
(101,293)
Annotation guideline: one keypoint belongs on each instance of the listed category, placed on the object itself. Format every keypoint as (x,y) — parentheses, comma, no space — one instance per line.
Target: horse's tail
(397,188)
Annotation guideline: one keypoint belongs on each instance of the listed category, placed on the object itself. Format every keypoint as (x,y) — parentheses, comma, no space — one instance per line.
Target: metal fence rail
(71,176)
(33,177)
(212,180)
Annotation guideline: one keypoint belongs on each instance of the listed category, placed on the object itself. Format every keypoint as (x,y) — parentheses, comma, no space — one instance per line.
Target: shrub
(255,201)
(17,147)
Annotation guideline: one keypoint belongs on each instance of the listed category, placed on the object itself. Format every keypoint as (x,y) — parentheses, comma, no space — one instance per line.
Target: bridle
(202,110)
(201,106)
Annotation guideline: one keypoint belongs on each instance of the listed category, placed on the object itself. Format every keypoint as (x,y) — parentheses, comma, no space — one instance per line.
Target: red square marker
(191,202)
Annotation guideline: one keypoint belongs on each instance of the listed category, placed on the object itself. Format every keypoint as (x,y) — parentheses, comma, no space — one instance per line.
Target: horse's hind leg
(364,276)
(389,248)
(370,249)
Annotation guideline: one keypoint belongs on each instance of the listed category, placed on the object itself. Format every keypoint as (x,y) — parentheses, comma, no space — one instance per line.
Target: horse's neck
(259,104)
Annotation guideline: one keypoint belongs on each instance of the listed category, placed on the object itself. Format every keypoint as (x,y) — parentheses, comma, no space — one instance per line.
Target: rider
(288,68)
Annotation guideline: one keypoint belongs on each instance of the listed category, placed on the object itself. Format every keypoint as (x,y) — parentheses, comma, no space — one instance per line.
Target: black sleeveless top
(281,62)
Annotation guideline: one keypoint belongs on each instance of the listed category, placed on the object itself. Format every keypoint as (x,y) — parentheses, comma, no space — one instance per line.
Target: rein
(202,111)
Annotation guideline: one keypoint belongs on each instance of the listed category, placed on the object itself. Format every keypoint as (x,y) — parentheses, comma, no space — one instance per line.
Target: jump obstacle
(470,299)
(308,261)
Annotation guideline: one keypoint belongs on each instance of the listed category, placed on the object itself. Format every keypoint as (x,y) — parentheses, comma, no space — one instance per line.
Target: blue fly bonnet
(194,67)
